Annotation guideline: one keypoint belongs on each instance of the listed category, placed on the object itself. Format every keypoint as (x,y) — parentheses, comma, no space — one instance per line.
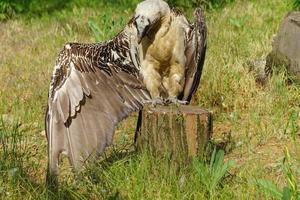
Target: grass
(253,124)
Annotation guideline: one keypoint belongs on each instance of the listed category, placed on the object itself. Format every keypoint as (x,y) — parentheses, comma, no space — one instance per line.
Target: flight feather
(95,86)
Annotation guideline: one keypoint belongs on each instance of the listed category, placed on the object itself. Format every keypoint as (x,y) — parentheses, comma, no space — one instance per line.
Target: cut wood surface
(178,132)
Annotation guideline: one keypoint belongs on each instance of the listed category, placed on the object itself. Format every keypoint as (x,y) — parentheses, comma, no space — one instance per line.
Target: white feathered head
(147,14)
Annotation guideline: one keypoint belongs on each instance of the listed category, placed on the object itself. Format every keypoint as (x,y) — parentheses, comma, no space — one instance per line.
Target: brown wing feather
(94,86)
(91,91)
(195,53)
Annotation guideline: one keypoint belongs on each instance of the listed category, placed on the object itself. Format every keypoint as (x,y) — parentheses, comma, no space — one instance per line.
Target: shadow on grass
(103,177)
(18,174)
(106,161)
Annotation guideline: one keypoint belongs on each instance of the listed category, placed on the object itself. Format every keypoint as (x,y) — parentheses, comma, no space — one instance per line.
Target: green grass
(254,124)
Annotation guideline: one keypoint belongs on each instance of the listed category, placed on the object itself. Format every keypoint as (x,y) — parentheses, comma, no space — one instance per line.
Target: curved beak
(142,30)
(141,34)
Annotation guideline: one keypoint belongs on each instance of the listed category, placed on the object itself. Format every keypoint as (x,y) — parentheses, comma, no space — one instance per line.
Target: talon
(176,101)
(155,101)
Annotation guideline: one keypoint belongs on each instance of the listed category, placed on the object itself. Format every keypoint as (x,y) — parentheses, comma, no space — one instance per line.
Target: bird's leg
(176,81)
(177,71)
(152,80)
(171,99)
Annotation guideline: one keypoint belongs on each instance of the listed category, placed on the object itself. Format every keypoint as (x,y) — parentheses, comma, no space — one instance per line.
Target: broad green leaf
(286,193)
(269,187)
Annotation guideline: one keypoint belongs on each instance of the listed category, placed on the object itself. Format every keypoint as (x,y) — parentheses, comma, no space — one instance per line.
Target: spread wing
(94,86)
(195,53)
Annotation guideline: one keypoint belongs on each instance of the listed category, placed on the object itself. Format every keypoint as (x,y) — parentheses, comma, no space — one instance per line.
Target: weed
(211,176)
(289,191)
(13,147)
(296,4)
(292,127)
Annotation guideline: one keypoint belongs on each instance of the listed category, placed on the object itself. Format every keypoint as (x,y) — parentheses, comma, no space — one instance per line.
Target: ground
(257,126)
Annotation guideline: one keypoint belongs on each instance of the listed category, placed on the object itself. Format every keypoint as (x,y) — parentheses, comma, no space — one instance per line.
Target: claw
(160,101)
(155,101)
(176,101)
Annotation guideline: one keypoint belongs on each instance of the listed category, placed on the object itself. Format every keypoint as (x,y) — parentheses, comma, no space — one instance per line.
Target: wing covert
(95,86)
(87,99)
(195,53)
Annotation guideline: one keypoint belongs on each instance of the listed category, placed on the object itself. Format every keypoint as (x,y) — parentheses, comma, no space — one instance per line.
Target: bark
(178,133)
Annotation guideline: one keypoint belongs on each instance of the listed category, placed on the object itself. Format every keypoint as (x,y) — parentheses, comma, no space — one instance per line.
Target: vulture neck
(160,28)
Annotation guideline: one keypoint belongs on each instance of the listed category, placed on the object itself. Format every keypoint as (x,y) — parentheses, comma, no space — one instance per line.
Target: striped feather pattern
(95,86)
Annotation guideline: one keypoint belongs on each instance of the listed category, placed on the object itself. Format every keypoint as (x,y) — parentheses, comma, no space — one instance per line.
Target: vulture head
(147,14)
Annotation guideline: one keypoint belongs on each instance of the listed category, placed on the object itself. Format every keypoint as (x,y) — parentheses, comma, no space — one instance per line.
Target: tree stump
(177,133)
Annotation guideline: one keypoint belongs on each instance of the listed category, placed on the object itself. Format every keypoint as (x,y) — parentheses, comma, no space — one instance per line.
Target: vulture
(94,86)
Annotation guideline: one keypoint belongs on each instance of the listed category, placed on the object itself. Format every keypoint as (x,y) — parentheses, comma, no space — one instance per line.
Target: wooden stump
(175,132)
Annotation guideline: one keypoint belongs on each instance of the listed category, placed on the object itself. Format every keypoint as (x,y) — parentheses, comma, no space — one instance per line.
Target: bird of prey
(95,86)
(163,58)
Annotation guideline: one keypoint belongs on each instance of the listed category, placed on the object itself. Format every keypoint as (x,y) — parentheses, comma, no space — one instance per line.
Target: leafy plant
(296,4)
(11,8)
(291,190)
(269,187)
(212,175)
(208,4)
(292,126)
(33,8)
